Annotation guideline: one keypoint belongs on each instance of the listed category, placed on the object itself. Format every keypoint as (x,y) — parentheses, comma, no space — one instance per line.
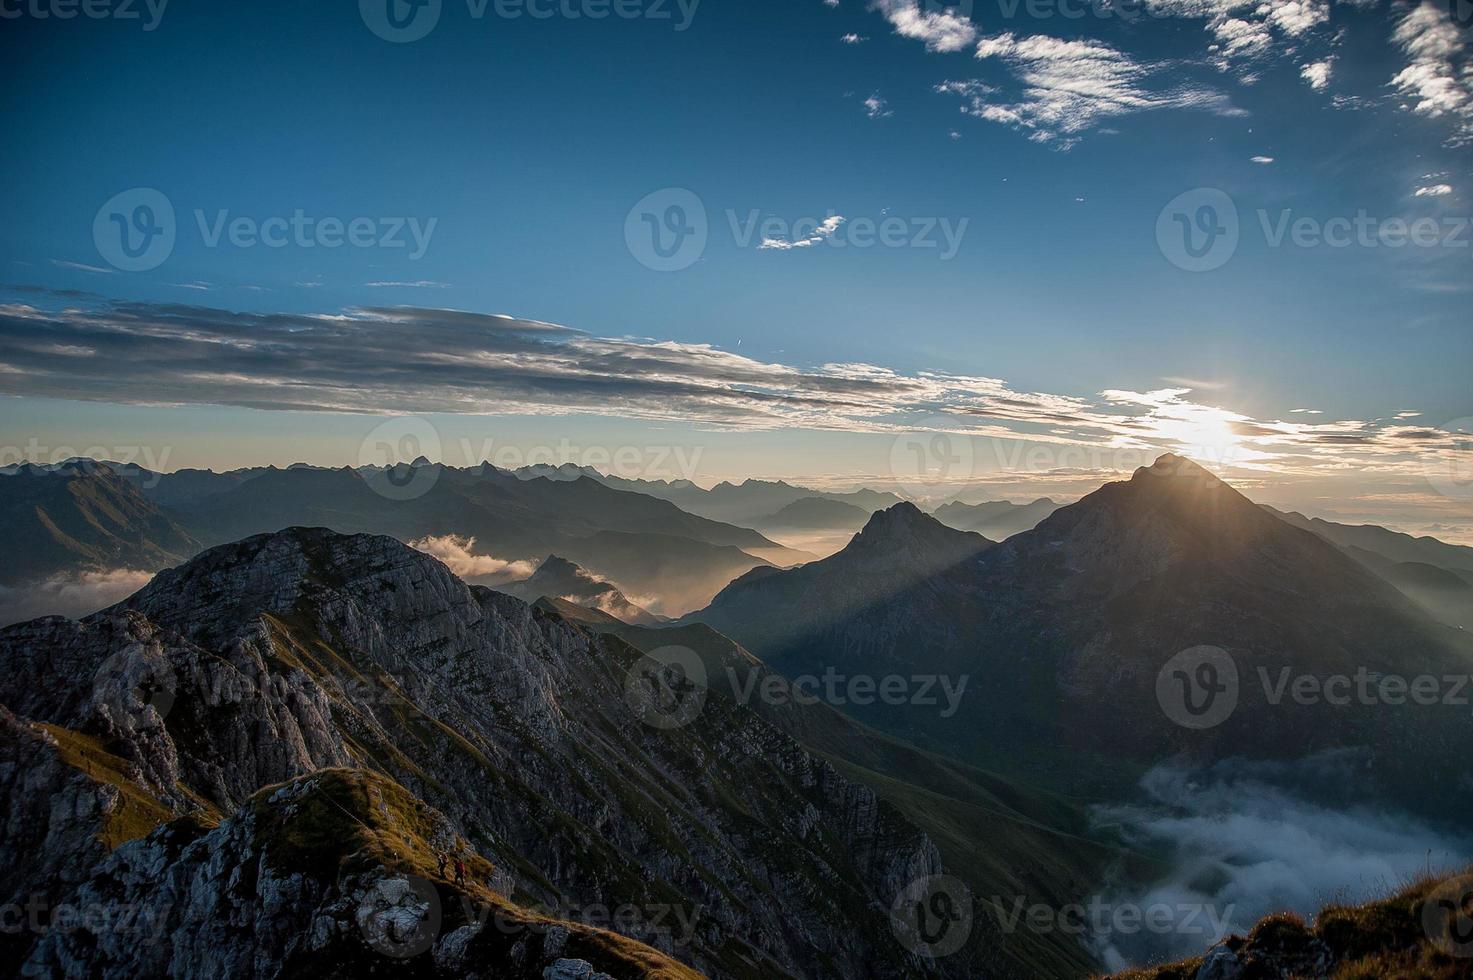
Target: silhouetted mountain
(1436,575)
(1065,629)
(80,516)
(897,551)
(558,578)
(1393,545)
(997,519)
(816,513)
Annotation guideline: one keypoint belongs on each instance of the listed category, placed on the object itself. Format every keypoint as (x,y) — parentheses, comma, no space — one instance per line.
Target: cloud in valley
(460,556)
(70,594)
(1244,844)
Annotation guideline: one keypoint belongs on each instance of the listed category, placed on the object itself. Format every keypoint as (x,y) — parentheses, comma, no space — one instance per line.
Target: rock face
(510,734)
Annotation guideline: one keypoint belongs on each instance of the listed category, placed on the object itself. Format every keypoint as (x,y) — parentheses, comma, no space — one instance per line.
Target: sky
(1016,246)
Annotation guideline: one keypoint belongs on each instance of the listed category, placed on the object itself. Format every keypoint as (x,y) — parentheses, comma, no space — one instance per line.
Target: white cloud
(822,233)
(1261,159)
(1438,78)
(1434,190)
(459,556)
(852,39)
(70,594)
(415,283)
(1317,73)
(877,108)
(1070,87)
(943,31)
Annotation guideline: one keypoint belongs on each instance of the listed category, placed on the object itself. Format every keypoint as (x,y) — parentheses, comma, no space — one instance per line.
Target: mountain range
(1066,629)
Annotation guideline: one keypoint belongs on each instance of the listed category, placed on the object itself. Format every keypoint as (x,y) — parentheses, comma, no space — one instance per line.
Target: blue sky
(1049,146)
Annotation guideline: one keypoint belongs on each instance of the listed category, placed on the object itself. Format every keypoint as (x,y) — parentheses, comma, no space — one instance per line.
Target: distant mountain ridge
(647,544)
(80,516)
(558,578)
(997,519)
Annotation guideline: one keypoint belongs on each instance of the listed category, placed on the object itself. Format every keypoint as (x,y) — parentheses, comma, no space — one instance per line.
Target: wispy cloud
(81,266)
(1434,190)
(1317,73)
(822,233)
(1070,87)
(1263,160)
(413,284)
(1438,79)
(876,107)
(852,39)
(942,31)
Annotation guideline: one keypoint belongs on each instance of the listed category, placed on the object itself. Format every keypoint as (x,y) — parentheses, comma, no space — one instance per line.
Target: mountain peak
(905,527)
(1178,467)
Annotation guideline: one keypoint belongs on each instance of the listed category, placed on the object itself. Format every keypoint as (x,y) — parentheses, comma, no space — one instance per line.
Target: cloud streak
(413,360)
(1072,86)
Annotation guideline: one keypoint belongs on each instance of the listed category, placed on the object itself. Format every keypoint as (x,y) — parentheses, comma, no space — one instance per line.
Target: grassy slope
(1380,940)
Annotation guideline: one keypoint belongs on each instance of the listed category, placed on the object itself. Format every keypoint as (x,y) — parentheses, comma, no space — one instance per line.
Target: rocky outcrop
(721,841)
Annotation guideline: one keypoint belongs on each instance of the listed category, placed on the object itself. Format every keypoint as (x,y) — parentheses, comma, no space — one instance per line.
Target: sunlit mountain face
(607,489)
